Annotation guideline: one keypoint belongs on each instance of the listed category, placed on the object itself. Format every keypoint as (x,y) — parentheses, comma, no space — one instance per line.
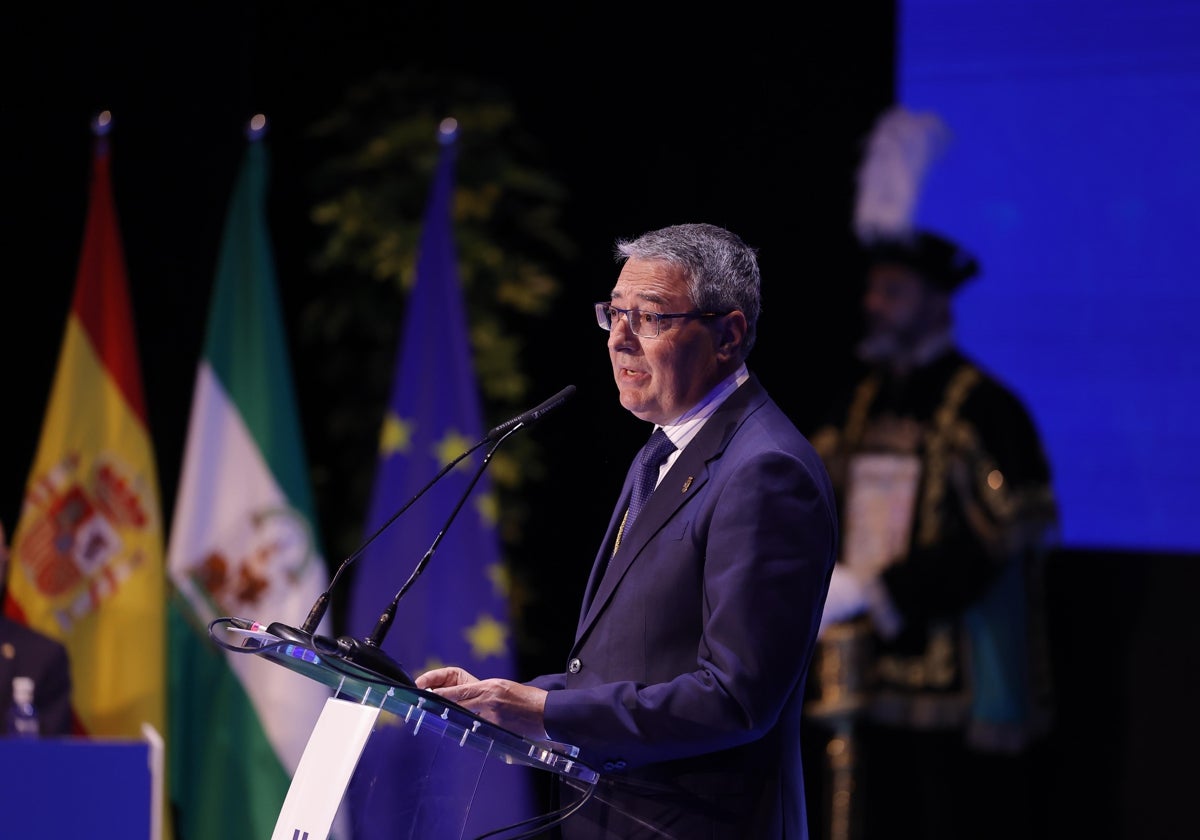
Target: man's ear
(731,332)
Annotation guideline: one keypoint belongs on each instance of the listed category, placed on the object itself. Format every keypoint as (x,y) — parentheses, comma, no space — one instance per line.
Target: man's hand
(442,678)
(514,706)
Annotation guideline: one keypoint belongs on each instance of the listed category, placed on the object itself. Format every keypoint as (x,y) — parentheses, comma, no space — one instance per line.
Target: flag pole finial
(101,123)
(256,128)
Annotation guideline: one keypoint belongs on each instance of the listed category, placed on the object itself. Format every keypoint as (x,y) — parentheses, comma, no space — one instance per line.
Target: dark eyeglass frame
(607,314)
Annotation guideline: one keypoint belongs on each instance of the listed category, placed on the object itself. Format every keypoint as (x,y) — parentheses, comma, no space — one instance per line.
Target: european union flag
(456,611)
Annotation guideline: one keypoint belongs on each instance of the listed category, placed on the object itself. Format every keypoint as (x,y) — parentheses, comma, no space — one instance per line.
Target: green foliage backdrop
(381,149)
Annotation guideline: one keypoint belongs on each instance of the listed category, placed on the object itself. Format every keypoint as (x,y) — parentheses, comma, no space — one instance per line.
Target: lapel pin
(687,483)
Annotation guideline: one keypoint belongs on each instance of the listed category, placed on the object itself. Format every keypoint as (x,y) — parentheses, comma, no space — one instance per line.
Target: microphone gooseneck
(373,659)
(533,415)
(499,434)
(367,653)
(322,603)
(385,620)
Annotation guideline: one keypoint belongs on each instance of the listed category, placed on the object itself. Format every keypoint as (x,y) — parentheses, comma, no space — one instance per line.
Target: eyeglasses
(643,324)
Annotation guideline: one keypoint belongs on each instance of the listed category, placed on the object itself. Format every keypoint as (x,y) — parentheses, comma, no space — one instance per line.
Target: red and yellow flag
(87,554)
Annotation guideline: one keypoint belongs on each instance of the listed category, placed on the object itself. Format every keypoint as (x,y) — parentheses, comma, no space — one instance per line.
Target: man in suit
(685,682)
(24,652)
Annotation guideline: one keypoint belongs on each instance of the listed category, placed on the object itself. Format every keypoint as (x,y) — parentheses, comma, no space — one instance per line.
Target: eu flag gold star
(396,435)
(500,578)
(488,507)
(487,637)
(452,445)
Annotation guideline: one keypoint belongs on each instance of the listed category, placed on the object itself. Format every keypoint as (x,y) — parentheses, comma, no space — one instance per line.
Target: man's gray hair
(721,270)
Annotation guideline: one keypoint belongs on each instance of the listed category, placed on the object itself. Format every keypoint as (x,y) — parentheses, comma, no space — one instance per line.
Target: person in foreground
(25,652)
(685,683)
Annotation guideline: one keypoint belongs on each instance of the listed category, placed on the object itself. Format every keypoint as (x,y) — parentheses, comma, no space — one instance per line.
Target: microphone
(499,434)
(375,639)
(533,415)
(358,653)
(304,634)
(367,653)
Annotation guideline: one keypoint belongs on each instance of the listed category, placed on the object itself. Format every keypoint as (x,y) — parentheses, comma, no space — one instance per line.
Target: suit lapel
(602,556)
(685,478)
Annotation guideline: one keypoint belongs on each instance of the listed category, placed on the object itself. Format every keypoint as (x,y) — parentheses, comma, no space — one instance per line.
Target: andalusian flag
(243,543)
(87,553)
(457,610)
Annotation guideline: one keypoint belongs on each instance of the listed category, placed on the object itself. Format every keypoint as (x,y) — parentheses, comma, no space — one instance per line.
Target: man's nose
(621,332)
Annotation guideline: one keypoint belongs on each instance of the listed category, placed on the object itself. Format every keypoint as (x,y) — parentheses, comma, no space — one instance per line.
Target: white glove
(847,598)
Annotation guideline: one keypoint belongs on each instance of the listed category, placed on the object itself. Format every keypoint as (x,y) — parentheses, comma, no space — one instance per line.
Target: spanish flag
(87,553)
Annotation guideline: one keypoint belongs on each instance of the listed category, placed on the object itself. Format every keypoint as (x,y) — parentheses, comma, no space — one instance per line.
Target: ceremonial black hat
(943,263)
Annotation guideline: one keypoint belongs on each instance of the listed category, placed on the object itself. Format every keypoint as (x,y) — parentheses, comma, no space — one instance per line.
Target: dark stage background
(741,116)
(742,120)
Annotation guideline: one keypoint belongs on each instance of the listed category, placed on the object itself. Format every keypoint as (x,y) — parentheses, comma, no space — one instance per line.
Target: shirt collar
(690,422)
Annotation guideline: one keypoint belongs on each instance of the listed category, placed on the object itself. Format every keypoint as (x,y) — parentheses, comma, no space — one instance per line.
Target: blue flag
(456,611)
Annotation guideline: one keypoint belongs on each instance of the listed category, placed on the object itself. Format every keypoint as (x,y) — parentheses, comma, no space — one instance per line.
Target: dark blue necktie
(645,476)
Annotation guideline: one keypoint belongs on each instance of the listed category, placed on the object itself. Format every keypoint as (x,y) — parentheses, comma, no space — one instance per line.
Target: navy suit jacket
(25,652)
(685,683)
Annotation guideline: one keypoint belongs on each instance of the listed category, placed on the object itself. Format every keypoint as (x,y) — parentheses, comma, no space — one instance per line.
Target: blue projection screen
(1074,175)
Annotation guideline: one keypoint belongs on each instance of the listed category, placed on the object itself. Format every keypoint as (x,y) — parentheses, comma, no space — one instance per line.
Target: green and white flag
(243,543)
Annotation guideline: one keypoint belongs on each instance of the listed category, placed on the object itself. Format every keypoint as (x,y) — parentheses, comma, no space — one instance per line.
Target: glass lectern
(448,752)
